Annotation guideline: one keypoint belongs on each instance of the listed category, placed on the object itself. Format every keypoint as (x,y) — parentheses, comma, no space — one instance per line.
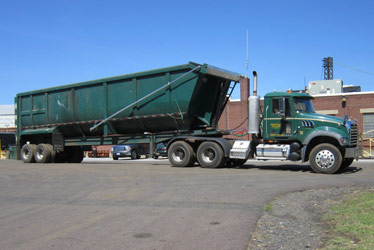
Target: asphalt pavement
(147,204)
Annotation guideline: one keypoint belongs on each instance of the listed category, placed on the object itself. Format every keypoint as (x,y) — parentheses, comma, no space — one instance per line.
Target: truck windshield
(303,105)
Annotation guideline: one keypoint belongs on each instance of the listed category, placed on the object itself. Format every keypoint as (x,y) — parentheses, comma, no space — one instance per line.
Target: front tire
(181,154)
(210,155)
(325,158)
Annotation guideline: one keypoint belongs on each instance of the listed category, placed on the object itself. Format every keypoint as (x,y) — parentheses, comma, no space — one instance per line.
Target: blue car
(129,150)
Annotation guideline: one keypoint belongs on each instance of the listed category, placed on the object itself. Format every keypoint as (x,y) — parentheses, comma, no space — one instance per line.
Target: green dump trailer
(180,103)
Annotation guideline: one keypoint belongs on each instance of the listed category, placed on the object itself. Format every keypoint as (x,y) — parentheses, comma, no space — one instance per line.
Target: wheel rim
(325,159)
(39,154)
(26,154)
(179,154)
(209,155)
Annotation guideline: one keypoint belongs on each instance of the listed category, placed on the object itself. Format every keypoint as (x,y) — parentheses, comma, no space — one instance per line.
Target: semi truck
(181,106)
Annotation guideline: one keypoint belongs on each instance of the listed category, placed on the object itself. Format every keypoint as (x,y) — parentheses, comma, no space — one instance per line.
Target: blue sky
(49,43)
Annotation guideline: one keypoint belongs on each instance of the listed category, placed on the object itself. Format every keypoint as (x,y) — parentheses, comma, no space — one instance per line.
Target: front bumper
(350,152)
(122,154)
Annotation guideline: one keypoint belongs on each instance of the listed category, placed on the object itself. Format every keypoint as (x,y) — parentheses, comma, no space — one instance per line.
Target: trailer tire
(346,163)
(181,154)
(210,155)
(134,155)
(42,153)
(325,158)
(53,153)
(27,153)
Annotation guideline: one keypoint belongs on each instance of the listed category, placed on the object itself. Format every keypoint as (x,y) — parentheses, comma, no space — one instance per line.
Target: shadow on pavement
(296,168)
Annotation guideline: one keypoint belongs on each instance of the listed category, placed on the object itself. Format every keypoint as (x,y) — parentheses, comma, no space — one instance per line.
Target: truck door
(279,126)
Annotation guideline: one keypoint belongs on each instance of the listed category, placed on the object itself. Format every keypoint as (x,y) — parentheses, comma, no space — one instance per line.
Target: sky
(50,43)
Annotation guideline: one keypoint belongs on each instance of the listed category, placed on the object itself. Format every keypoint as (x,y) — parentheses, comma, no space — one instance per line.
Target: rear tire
(27,153)
(42,153)
(325,158)
(134,155)
(210,155)
(181,154)
(53,153)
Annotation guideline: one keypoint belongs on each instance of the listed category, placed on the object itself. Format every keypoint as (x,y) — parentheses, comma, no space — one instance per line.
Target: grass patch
(269,207)
(352,222)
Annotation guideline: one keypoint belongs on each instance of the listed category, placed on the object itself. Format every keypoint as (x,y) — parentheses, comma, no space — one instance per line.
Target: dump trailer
(180,105)
(57,124)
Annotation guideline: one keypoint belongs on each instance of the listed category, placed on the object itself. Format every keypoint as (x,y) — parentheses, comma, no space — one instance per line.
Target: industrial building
(7,118)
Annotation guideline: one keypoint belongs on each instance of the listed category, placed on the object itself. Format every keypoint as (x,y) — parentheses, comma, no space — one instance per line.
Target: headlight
(343,140)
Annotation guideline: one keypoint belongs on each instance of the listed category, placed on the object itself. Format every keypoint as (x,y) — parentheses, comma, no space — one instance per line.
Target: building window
(368,119)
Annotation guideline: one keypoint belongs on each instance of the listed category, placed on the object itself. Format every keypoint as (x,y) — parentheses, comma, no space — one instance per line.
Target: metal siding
(368,125)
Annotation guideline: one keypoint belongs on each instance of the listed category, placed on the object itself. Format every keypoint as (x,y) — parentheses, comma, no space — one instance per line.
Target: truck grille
(354,134)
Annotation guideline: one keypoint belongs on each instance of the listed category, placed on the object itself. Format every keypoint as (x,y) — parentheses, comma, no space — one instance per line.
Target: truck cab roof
(286,94)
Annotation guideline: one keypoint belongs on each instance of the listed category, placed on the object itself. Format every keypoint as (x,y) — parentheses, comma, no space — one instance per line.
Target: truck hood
(322,118)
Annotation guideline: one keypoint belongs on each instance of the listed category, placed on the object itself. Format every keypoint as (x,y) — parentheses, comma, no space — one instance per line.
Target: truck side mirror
(282,107)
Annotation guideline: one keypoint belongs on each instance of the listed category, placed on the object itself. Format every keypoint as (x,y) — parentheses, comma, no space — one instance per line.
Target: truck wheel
(134,155)
(53,153)
(346,163)
(115,158)
(210,155)
(27,153)
(325,158)
(42,153)
(181,154)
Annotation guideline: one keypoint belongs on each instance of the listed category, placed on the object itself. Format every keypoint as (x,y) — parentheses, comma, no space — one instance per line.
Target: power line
(352,68)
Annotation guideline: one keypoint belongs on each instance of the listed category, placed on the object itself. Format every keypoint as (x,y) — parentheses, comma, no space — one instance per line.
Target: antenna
(246,61)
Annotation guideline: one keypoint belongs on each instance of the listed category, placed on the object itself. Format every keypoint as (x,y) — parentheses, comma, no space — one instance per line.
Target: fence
(369,152)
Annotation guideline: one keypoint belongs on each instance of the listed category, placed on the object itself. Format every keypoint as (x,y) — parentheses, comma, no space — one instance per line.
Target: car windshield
(303,105)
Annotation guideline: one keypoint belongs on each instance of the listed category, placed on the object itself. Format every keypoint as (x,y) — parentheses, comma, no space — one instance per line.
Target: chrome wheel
(325,159)
(209,155)
(179,154)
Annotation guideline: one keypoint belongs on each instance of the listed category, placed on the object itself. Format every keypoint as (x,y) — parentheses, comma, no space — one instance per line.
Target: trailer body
(183,99)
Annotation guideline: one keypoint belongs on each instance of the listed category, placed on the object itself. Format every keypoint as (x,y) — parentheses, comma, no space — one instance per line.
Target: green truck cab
(289,121)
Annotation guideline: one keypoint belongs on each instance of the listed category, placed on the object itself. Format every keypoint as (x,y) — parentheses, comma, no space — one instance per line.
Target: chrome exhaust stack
(254,109)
